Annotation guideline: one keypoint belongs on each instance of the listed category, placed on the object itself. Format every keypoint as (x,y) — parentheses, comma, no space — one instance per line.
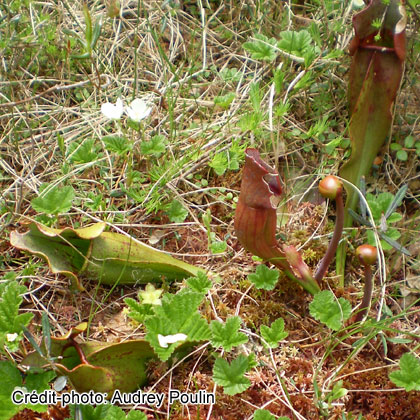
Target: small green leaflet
(11,378)
(218,247)
(231,376)
(295,42)
(155,146)
(178,314)
(227,335)
(255,96)
(55,200)
(326,308)
(108,412)
(138,311)
(272,335)
(262,48)
(199,284)
(117,144)
(83,152)
(219,163)
(264,277)
(225,100)
(266,415)
(408,376)
(11,322)
(176,212)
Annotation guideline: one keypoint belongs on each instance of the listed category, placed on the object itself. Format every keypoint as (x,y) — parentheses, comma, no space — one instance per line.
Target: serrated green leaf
(325,307)
(224,101)
(177,314)
(117,144)
(155,146)
(138,311)
(176,212)
(136,415)
(227,335)
(275,333)
(117,413)
(264,277)
(394,217)
(89,412)
(384,200)
(83,152)
(56,200)
(219,163)
(11,378)
(218,247)
(11,323)
(262,414)
(296,42)
(199,284)
(231,376)
(397,200)
(408,376)
(255,96)
(261,48)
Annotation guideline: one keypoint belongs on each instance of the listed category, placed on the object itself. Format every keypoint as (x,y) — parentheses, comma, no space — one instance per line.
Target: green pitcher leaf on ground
(325,307)
(107,257)
(408,376)
(227,335)
(54,200)
(273,334)
(375,76)
(11,322)
(104,369)
(178,314)
(231,375)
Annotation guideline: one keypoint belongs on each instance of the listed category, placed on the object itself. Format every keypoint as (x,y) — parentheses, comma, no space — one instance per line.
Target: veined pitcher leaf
(107,257)
(102,367)
(375,75)
(256,218)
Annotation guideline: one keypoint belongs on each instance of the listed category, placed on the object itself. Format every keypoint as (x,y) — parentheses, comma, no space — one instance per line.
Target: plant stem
(367,295)
(332,247)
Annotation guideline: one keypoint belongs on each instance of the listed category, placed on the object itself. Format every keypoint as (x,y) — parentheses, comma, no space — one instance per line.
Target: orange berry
(330,186)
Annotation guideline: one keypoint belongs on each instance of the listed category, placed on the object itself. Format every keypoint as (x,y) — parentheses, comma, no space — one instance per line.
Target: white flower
(138,110)
(357,4)
(11,337)
(164,340)
(111,111)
